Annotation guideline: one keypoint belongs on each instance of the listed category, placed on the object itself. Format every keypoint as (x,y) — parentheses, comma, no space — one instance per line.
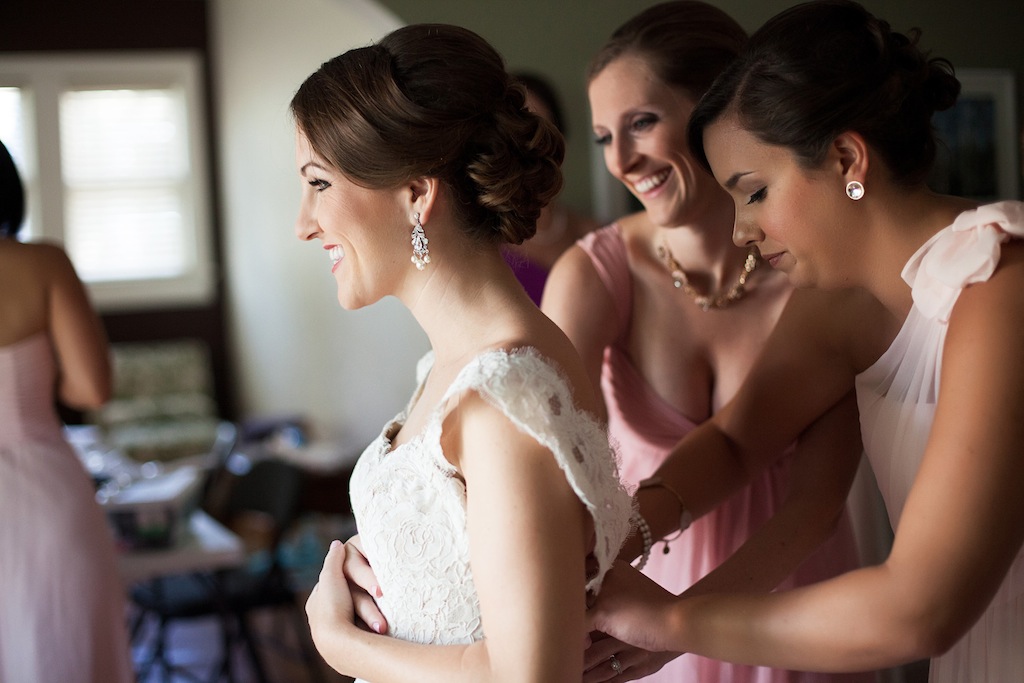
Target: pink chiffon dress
(897,397)
(646,428)
(62,603)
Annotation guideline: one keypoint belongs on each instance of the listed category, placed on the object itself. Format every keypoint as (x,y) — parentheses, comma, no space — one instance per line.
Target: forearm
(700,473)
(383,659)
(773,552)
(821,471)
(850,623)
(357,652)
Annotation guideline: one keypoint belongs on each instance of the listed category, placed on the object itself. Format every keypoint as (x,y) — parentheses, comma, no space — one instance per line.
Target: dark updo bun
(434,100)
(822,68)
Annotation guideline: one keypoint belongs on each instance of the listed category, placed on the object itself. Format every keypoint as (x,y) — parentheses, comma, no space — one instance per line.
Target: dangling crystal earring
(420,252)
(854,190)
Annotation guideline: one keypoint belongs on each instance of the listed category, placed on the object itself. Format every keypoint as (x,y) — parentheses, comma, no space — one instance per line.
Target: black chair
(267,497)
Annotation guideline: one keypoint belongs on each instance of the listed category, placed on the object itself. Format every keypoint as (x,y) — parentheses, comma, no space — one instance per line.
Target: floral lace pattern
(410,503)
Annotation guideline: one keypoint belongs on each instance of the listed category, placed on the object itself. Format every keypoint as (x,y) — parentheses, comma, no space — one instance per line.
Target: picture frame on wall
(979,147)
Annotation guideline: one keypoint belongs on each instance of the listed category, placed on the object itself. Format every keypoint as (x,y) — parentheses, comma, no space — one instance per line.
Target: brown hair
(822,68)
(434,100)
(12,196)
(685,42)
(541,88)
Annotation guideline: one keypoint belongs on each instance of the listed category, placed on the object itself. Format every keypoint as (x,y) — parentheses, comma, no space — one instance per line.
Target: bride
(491,505)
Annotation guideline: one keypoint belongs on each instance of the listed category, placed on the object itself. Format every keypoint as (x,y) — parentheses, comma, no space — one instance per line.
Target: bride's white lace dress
(410,503)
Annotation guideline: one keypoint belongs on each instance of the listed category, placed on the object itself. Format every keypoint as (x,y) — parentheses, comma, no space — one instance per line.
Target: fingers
(311,600)
(610,668)
(364,587)
(599,675)
(323,591)
(334,563)
(624,664)
(600,650)
(358,570)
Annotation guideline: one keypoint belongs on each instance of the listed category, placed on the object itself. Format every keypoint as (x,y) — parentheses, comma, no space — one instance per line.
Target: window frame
(43,77)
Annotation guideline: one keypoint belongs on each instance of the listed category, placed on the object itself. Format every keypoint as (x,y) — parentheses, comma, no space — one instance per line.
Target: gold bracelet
(685,518)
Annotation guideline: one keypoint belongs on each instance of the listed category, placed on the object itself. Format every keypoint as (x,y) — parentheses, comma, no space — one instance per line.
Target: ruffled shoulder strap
(537,399)
(967,251)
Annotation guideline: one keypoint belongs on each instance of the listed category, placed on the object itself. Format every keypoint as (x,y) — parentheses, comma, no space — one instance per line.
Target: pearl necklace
(707,302)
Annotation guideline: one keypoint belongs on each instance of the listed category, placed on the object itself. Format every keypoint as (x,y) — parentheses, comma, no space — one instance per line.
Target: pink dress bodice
(645,428)
(27,377)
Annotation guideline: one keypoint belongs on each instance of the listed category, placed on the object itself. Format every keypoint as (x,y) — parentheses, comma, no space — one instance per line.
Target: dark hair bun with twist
(435,100)
(822,68)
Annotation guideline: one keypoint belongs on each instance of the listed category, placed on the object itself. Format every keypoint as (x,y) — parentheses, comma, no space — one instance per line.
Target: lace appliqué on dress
(512,382)
(410,503)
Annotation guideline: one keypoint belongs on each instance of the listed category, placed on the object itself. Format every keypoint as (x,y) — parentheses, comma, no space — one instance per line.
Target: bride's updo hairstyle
(434,100)
(820,69)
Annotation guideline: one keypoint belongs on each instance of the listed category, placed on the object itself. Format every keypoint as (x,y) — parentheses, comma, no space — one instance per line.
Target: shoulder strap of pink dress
(607,251)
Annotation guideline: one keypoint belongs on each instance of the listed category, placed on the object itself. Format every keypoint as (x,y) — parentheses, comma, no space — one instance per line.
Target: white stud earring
(854,190)
(420,252)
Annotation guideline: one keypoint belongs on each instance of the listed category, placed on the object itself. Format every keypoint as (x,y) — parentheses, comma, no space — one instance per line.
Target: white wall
(296,351)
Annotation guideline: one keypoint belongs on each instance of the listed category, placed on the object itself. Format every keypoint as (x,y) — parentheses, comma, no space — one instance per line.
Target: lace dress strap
(537,399)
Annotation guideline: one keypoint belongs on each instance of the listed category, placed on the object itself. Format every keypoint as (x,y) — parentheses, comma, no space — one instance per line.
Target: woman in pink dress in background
(62,605)
(558,226)
(669,316)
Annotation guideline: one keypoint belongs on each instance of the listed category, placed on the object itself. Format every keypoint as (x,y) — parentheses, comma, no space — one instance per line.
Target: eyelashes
(638,125)
(643,123)
(318,184)
(758,196)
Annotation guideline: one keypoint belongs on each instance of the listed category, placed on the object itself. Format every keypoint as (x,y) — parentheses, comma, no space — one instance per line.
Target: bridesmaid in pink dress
(669,316)
(61,601)
(822,134)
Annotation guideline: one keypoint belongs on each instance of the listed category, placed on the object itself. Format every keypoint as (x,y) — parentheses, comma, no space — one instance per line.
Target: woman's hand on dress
(633,662)
(329,607)
(362,584)
(633,609)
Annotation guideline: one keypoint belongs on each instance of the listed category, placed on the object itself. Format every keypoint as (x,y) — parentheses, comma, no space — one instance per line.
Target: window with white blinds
(110,148)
